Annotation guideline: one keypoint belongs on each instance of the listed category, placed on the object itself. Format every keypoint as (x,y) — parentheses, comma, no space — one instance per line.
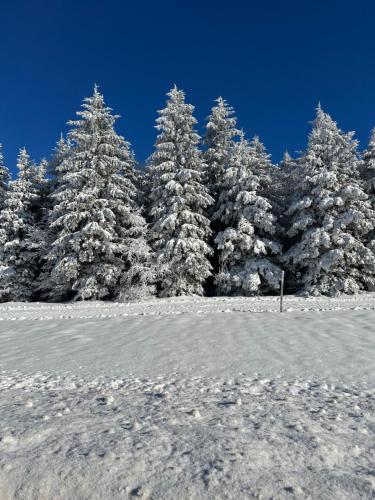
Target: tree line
(207,215)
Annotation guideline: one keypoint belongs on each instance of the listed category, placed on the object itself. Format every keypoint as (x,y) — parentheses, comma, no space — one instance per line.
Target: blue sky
(272,60)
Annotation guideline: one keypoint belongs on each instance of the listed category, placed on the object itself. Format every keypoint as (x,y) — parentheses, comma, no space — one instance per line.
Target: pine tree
(4,179)
(330,216)
(178,200)
(248,244)
(100,249)
(19,249)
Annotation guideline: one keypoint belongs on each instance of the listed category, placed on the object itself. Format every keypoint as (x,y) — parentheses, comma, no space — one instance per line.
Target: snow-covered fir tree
(261,161)
(178,201)
(61,152)
(55,171)
(330,216)
(281,179)
(40,207)
(286,178)
(286,162)
(369,167)
(49,232)
(286,170)
(19,244)
(4,178)
(219,140)
(41,185)
(248,244)
(268,174)
(100,250)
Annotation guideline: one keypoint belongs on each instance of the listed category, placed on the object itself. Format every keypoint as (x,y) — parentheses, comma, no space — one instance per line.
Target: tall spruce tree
(40,208)
(4,179)
(221,133)
(281,180)
(286,162)
(100,249)
(19,246)
(368,175)
(261,161)
(330,216)
(287,177)
(369,167)
(61,152)
(178,201)
(54,169)
(219,140)
(248,243)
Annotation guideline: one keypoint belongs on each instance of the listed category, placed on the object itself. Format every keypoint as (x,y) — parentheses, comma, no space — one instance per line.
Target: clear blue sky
(272,60)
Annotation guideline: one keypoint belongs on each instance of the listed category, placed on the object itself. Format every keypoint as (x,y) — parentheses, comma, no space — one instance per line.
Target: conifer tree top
(370,151)
(286,158)
(221,124)
(4,172)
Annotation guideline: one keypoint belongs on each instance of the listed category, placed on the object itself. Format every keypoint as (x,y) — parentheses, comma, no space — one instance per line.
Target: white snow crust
(188,398)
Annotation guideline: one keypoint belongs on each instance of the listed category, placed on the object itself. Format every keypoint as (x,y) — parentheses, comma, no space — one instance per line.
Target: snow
(188,398)
(248,239)
(96,234)
(330,219)
(178,198)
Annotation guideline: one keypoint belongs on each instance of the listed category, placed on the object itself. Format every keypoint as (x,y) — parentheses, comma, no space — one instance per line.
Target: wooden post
(281,291)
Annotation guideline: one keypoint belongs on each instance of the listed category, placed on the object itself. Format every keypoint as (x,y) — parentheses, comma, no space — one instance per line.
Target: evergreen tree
(62,151)
(4,179)
(19,249)
(41,185)
(219,140)
(282,180)
(330,216)
(369,167)
(286,179)
(248,243)
(261,162)
(178,200)
(49,232)
(286,162)
(100,249)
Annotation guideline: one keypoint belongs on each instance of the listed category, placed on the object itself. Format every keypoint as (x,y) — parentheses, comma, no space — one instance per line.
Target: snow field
(169,437)
(188,398)
(182,305)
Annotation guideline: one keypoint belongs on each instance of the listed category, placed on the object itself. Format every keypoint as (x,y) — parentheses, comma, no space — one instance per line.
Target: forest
(207,215)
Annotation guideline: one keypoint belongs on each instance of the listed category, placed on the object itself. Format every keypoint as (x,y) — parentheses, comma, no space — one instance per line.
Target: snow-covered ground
(188,398)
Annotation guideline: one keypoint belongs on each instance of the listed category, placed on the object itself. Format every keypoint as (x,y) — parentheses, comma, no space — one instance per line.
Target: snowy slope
(181,305)
(188,398)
